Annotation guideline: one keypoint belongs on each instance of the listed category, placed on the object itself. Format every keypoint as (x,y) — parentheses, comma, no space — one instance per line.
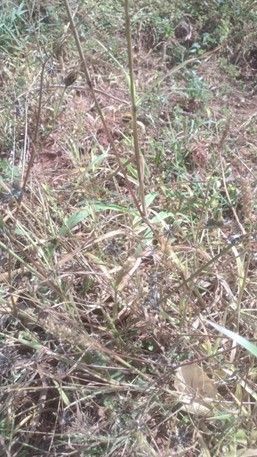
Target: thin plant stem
(138,155)
(34,140)
(26,177)
(99,110)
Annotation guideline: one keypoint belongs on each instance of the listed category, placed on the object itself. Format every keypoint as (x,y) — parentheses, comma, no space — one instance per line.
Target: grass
(106,346)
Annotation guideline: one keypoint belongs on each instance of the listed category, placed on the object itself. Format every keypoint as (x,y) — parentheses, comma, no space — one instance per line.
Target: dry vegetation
(106,343)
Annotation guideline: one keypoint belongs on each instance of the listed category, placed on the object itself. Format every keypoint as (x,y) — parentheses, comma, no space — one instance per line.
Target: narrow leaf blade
(250,347)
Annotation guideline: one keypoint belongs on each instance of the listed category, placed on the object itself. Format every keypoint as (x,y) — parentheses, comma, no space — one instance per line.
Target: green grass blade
(74,220)
(250,347)
(84,213)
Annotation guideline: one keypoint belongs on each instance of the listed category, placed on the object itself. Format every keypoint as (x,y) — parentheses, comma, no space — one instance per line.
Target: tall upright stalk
(34,143)
(138,155)
(139,207)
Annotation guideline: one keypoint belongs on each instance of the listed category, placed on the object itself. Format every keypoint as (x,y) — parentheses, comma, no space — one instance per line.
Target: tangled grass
(106,349)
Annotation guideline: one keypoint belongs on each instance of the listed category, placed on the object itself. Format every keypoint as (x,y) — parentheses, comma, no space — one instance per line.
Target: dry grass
(98,311)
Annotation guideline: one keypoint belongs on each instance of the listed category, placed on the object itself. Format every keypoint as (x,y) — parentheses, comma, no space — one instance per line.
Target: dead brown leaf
(196,390)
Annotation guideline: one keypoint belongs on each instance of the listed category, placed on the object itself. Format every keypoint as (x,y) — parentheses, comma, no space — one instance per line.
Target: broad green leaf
(74,220)
(149,198)
(84,213)
(161,216)
(96,207)
(250,347)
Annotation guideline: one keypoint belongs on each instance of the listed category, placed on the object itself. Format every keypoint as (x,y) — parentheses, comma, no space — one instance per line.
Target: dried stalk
(99,110)
(138,156)
(34,140)
(26,178)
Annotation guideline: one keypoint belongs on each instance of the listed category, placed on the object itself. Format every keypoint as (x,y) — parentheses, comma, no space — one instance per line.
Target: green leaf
(250,347)
(94,207)
(28,340)
(74,220)
(149,198)
(97,160)
(161,216)
(101,206)
(62,394)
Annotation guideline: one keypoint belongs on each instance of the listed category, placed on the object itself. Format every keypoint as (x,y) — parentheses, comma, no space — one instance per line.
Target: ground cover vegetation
(128,141)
